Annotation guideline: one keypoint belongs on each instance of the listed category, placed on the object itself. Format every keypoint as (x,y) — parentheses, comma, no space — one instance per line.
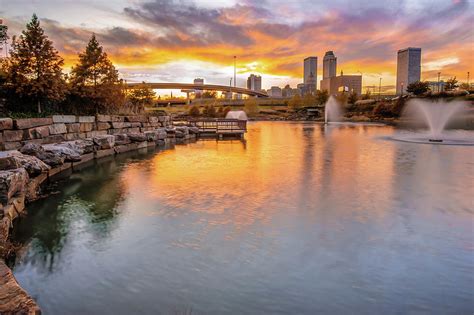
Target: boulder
(170,130)
(12,135)
(86,127)
(150,135)
(103,118)
(64,150)
(104,142)
(193,130)
(64,119)
(121,139)
(180,134)
(86,119)
(57,129)
(183,129)
(14,159)
(80,146)
(6,123)
(161,134)
(37,132)
(103,126)
(49,158)
(12,182)
(137,137)
(28,123)
(74,127)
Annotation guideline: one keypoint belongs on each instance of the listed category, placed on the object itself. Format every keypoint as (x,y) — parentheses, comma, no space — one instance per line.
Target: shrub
(383,110)
(194,111)
(251,106)
(418,87)
(353,97)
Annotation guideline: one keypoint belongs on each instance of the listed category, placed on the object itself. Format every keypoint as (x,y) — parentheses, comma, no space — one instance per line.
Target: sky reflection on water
(299,218)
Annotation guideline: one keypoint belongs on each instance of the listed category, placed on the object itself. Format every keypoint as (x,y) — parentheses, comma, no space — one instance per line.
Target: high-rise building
(329,65)
(408,67)
(254,82)
(310,71)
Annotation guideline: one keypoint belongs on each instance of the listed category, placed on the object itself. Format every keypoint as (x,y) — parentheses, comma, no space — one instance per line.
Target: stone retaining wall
(14,133)
(38,148)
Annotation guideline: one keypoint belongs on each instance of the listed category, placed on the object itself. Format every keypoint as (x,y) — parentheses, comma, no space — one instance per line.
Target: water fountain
(434,117)
(332,110)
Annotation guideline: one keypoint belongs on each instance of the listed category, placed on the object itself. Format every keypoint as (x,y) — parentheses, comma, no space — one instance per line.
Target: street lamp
(439,74)
(235,70)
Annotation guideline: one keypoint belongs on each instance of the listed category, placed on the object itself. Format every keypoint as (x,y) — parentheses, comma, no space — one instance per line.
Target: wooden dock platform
(219,127)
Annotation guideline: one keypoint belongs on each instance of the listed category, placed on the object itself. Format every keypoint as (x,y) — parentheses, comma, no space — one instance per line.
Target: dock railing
(219,125)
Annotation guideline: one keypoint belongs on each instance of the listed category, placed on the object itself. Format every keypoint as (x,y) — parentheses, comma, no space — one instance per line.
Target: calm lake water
(298,219)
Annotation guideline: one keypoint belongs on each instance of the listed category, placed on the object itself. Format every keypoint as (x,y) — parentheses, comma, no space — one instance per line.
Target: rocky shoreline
(37,153)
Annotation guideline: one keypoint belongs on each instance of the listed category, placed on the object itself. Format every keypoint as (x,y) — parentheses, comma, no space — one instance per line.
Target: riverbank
(39,149)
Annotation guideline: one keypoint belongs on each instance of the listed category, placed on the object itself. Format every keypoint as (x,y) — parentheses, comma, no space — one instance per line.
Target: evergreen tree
(35,67)
(94,80)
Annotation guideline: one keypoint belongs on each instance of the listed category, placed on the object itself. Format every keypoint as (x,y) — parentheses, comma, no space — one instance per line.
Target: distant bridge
(186,87)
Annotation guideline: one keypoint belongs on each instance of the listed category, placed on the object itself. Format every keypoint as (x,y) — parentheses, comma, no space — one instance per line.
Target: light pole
(468,80)
(235,71)
(439,74)
(230,88)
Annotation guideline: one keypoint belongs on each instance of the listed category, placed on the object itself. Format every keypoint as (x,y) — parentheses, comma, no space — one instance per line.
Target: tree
(35,67)
(418,87)
(140,97)
(95,80)
(353,97)
(322,97)
(451,84)
(209,111)
(251,106)
(209,94)
(464,86)
(194,111)
(3,34)
(367,95)
(309,100)
(295,102)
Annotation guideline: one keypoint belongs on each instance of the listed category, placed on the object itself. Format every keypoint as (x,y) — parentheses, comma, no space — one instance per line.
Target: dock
(219,127)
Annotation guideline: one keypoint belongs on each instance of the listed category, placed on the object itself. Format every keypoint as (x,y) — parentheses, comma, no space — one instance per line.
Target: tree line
(32,79)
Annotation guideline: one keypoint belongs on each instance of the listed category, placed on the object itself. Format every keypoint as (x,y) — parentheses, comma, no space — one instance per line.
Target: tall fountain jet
(435,117)
(332,110)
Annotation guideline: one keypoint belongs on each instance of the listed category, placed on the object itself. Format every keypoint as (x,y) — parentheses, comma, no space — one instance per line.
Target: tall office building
(329,65)
(310,71)
(254,82)
(408,68)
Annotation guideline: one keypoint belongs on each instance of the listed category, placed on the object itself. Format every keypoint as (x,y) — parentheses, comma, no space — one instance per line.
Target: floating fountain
(434,117)
(332,110)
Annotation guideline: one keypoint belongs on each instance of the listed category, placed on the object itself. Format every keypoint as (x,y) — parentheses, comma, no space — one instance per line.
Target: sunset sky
(176,41)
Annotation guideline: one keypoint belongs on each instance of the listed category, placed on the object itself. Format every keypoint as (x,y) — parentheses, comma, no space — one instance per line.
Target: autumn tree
(95,81)
(3,34)
(451,84)
(322,97)
(251,106)
(418,87)
(140,97)
(209,94)
(35,68)
(295,102)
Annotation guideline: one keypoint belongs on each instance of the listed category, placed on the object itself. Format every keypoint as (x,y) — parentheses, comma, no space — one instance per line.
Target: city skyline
(199,39)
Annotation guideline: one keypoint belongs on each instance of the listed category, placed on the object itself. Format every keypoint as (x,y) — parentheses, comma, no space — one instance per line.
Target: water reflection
(300,218)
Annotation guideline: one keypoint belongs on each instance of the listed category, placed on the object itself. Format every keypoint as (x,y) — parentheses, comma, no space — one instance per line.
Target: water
(332,110)
(295,220)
